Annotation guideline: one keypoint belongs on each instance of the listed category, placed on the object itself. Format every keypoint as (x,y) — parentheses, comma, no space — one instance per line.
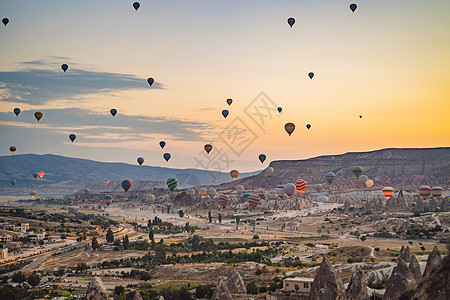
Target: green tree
(60,272)
(209,217)
(238,220)
(34,279)
(252,288)
(119,290)
(95,244)
(264,269)
(181,213)
(82,267)
(110,236)
(126,242)
(19,277)
(151,235)
(220,218)
(363,238)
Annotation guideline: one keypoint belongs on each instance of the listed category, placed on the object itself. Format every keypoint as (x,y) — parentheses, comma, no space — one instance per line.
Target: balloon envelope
(318,187)
(311,75)
(369,183)
(253,201)
(229,101)
(291,22)
(203,192)
(289,189)
(13,182)
(162,144)
(172,183)
(225,113)
(212,192)
(234,174)
(38,115)
(140,161)
(208,148)
(330,176)
(436,191)
(12,149)
(167,156)
(357,171)
(41,174)
(5,21)
(280,109)
(269,171)
(136,5)
(273,195)
(150,81)
(321,198)
(224,200)
(107,199)
(363,178)
(353,7)
(280,190)
(126,185)
(64,67)
(113,112)
(33,194)
(289,127)
(388,192)
(35,175)
(17,111)
(262,158)
(424,191)
(301,186)
(150,197)
(239,189)
(72,137)
(308,126)
(191,192)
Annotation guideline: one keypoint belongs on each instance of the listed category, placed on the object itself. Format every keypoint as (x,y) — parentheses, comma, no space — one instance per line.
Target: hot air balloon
(269,171)
(33,194)
(41,174)
(234,174)
(301,186)
(106,181)
(357,171)
(64,67)
(126,185)
(212,192)
(113,112)
(38,115)
(436,191)
(12,149)
(35,175)
(225,113)
(245,196)
(360,117)
(150,197)
(330,176)
(203,192)
(311,75)
(289,189)
(280,190)
(224,200)
(369,183)
(17,111)
(388,192)
(239,189)
(150,81)
(208,148)
(353,7)
(140,161)
(5,21)
(280,109)
(12,182)
(321,198)
(72,137)
(291,22)
(136,5)
(318,187)
(172,183)
(191,192)
(272,195)
(289,127)
(162,144)
(107,199)
(363,178)
(86,191)
(229,101)
(253,201)
(308,126)
(262,158)
(424,191)
(167,156)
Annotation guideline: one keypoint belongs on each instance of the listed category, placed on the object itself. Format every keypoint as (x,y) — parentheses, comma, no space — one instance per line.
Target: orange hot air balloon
(224,200)
(388,192)
(234,174)
(436,191)
(254,201)
(301,186)
(424,191)
(41,174)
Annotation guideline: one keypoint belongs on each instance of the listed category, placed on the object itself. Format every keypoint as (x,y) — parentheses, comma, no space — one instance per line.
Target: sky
(388,62)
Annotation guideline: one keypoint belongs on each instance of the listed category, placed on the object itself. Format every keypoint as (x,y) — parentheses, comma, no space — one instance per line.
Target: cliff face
(394,167)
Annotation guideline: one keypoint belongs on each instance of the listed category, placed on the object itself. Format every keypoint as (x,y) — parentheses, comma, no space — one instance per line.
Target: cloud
(39,86)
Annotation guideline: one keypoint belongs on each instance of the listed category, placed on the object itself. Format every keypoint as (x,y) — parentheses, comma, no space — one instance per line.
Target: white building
(301,285)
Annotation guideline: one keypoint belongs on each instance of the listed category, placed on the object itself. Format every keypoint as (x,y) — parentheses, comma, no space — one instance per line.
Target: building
(301,285)
(4,253)
(5,238)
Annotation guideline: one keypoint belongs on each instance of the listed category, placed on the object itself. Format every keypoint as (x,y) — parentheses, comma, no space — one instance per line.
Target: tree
(220,218)
(264,269)
(119,290)
(238,220)
(126,242)
(110,236)
(34,279)
(19,277)
(95,244)
(363,238)
(60,272)
(81,267)
(151,235)
(181,213)
(63,236)
(209,217)
(252,288)
(168,209)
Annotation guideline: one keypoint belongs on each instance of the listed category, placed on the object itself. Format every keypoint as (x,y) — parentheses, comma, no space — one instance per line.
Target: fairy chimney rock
(96,290)
(327,284)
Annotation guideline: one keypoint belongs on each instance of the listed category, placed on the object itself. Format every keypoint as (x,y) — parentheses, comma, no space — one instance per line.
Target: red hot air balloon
(301,185)
(126,185)
(388,192)
(234,174)
(224,200)
(41,174)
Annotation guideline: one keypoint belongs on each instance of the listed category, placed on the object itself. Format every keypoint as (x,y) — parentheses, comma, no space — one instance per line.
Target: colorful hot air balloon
(203,192)
(162,144)
(262,158)
(424,191)
(113,112)
(388,192)
(38,115)
(330,176)
(280,190)
(33,194)
(150,81)
(5,21)
(64,67)
(234,174)
(289,127)
(140,161)
(272,195)
(150,197)
(224,200)
(106,181)
(35,175)
(280,109)
(369,183)
(289,189)
(225,113)
(363,178)
(308,126)
(167,156)
(72,137)
(126,185)
(311,75)
(353,7)
(208,148)
(357,171)
(136,5)
(212,192)
(269,171)
(12,149)
(318,187)
(191,192)
(245,196)
(17,111)
(172,183)
(87,191)
(301,185)
(253,201)
(41,174)
(229,101)
(291,22)
(436,191)
(107,199)
(12,182)
(239,189)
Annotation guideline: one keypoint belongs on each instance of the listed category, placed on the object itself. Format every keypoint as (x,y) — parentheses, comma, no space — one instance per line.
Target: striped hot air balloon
(172,183)
(107,199)
(388,192)
(253,201)
(436,191)
(357,171)
(301,185)
(424,191)
(224,200)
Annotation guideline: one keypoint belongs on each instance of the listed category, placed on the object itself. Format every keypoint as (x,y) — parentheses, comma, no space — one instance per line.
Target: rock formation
(236,285)
(402,280)
(221,292)
(415,268)
(357,287)
(405,254)
(96,290)
(433,262)
(137,296)
(327,284)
